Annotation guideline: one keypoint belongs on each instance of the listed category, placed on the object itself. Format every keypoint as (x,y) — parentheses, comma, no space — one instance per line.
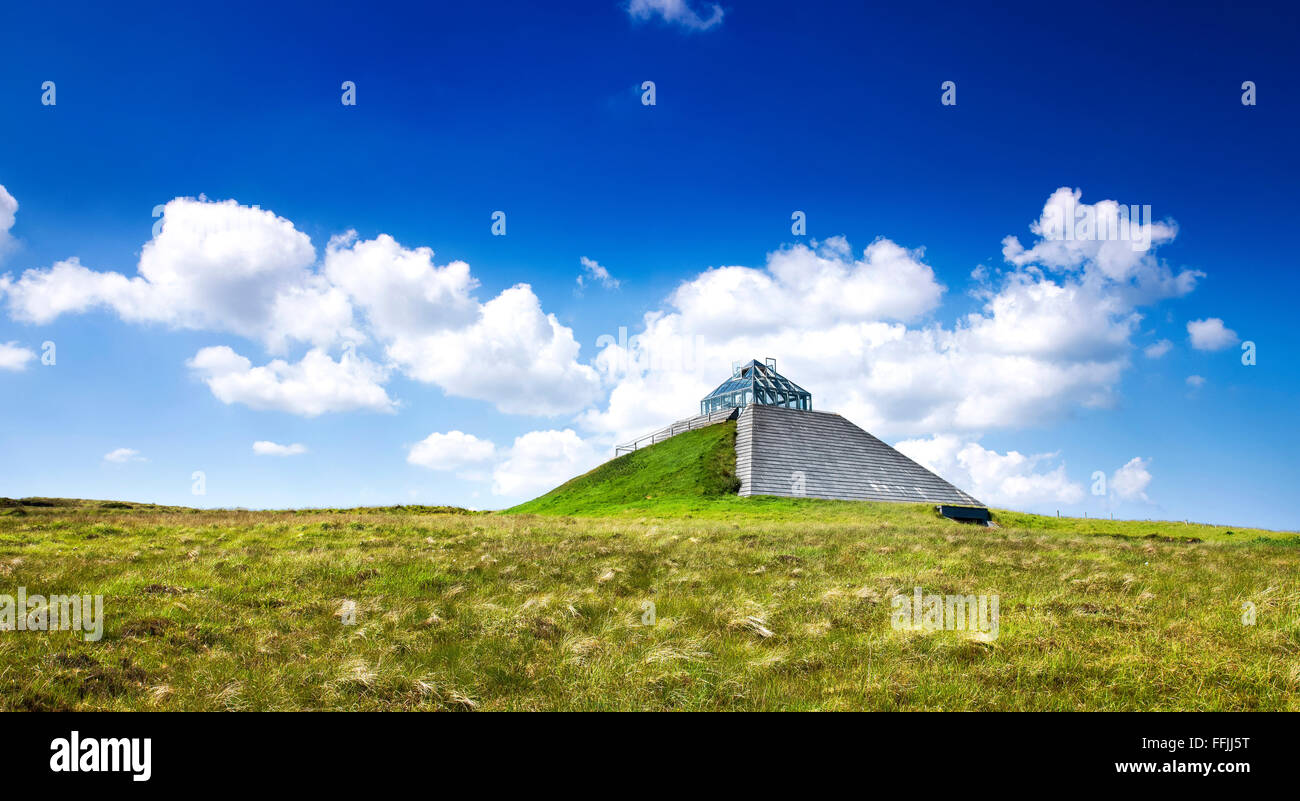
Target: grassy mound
(678,474)
(692,475)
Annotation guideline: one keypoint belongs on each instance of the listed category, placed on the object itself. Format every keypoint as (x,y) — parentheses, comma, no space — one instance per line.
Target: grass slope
(692,475)
(240,610)
(760,603)
(687,471)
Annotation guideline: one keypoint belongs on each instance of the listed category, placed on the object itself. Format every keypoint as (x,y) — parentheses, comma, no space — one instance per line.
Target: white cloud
(267,448)
(236,269)
(1211,334)
(1054,331)
(598,274)
(1011,479)
(1195,381)
(315,385)
(401,291)
(677,12)
(1102,249)
(39,296)
(506,351)
(13,356)
(825,285)
(1130,481)
(1157,349)
(8,212)
(1047,339)
(213,267)
(454,450)
(123,455)
(514,355)
(541,460)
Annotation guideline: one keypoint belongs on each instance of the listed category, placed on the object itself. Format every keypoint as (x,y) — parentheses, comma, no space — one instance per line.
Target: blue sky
(1018,371)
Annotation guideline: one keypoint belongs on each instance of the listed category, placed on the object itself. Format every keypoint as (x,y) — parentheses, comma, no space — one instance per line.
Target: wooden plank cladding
(796,453)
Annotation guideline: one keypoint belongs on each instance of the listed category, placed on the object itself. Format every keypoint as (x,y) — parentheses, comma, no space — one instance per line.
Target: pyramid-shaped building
(785,448)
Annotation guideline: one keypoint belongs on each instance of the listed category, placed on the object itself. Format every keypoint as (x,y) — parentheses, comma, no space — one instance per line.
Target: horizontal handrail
(681,426)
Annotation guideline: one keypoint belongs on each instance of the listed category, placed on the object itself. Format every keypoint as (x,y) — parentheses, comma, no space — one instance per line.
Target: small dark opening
(965,514)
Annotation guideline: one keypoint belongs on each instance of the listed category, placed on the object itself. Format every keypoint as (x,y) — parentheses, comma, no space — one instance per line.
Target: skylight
(753,382)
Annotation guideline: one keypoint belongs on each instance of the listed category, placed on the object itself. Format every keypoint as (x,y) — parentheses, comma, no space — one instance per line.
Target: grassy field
(759,604)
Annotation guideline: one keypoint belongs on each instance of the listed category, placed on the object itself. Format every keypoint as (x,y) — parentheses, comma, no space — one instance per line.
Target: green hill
(696,469)
(693,475)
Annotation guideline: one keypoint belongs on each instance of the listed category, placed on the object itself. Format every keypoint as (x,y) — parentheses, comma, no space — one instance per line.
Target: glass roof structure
(756,383)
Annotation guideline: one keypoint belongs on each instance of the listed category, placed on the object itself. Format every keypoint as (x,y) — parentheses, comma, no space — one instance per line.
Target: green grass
(691,471)
(761,603)
(692,475)
(238,610)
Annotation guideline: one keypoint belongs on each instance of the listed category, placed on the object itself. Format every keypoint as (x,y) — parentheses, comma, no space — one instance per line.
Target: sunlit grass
(756,607)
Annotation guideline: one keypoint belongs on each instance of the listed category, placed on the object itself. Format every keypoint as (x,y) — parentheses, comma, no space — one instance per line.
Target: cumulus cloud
(1003,479)
(220,266)
(1211,334)
(1157,349)
(1195,381)
(514,355)
(267,448)
(402,293)
(39,296)
(506,351)
(677,12)
(596,273)
(1074,236)
(8,212)
(454,450)
(826,285)
(1049,336)
(15,357)
(313,386)
(536,462)
(1053,331)
(1130,481)
(540,460)
(212,267)
(123,455)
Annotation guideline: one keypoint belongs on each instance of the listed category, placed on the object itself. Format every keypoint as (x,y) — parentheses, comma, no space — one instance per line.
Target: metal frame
(756,383)
(681,426)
